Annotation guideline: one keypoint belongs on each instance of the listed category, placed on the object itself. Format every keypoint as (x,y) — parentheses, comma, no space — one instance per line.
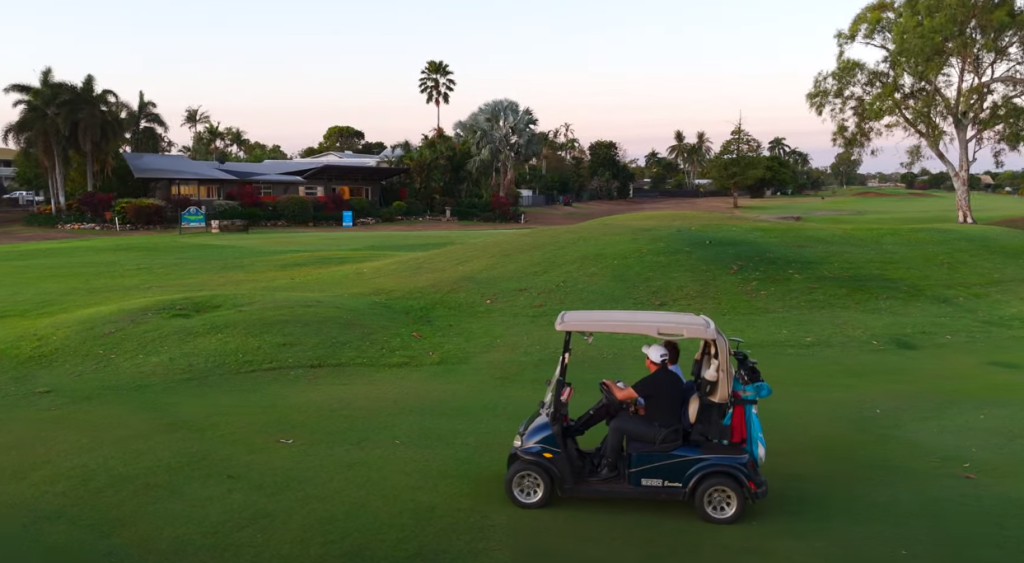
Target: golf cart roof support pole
(566,351)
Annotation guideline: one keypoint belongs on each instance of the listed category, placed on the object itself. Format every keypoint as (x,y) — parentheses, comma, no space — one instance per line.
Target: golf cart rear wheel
(528,485)
(720,500)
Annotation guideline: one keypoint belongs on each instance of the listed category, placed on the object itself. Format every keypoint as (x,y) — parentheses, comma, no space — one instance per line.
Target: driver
(662,393)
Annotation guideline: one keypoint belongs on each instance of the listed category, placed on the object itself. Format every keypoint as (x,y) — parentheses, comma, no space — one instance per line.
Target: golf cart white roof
(656,324)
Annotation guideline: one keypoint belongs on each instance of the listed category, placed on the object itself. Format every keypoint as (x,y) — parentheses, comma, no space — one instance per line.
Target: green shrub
(414,209)
(295,209)
(325,216)
(232,212)
(223,205)
(121,210)
(470,209)
(142,211)
(363,208)
(387,215)
(146,212)
(253,214)
(398,208)
(42,220)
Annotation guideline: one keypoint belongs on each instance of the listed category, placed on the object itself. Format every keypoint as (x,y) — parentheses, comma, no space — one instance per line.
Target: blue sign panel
(346,218)
(193,217)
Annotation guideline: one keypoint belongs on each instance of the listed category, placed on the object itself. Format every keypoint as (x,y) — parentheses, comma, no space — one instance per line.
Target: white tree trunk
(961,183)
(961,177)
(90,169)
(52,182)
(58,168)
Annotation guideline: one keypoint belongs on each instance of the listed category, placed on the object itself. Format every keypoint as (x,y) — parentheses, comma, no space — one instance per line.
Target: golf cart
(697,462)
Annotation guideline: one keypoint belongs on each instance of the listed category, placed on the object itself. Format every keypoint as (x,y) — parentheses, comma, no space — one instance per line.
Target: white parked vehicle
(27,197)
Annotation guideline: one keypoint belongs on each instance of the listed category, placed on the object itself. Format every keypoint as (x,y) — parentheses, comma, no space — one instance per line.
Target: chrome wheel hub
(720,502)
(528,487)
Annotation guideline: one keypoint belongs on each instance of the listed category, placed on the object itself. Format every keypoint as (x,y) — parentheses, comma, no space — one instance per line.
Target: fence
(533,201)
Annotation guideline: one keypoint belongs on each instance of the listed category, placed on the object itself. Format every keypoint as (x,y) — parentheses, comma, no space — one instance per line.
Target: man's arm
(627,394)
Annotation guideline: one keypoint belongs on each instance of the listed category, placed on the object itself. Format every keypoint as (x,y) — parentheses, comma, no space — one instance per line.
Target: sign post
(346,219)
(192,217)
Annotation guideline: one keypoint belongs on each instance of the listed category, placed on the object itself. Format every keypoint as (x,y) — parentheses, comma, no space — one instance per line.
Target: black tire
(528,485)
(720,500)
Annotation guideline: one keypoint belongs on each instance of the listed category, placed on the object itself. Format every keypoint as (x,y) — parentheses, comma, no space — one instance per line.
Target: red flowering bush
(501,207)
(246,196)
(95,204)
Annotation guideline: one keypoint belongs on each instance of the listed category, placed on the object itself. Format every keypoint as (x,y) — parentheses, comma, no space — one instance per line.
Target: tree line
(947,74)
(57,120)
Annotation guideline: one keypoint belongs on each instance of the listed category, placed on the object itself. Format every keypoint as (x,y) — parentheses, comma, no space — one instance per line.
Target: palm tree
(697,155)
(97,122)
(235,138)
(799,158)
(502,134)
(399,152)
(146,128)
(677,151)
(193,119)
(214,137)
(651,159)
(42,125)
(778,147)
(437,85)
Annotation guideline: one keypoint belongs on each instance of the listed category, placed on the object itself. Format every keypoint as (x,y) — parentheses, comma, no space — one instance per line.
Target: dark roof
(177,167)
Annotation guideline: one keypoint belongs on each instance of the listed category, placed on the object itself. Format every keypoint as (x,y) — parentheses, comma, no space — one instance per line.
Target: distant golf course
(352,396)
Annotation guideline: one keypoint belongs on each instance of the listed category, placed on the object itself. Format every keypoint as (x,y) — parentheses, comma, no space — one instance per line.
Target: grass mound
(324,397)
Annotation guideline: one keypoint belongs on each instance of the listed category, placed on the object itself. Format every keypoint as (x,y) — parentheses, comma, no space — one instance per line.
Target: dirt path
(12,230)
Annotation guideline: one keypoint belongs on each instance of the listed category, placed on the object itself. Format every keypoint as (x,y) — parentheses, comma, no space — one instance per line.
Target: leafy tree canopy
(946,73)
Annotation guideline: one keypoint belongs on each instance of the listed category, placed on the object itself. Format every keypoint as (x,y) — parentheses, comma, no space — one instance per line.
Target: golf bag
(743,420)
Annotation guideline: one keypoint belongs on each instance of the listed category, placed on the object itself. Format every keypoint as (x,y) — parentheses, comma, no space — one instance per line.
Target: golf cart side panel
(679,468)
(540,435)
(662,469)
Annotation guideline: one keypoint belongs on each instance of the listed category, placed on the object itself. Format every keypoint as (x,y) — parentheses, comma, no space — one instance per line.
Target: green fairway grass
(146,383)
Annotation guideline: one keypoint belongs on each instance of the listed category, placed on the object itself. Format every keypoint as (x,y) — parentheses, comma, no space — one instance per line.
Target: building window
(265,191)
(310,191)
(185,189)
(193,191)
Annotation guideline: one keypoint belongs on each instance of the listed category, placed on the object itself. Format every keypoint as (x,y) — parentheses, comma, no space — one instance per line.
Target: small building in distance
(7,169)
(346,174)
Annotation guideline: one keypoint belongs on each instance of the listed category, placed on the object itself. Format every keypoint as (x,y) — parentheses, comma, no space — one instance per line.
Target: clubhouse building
(345,173)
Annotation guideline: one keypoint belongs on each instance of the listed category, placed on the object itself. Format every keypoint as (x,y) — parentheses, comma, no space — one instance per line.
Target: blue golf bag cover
(746,397)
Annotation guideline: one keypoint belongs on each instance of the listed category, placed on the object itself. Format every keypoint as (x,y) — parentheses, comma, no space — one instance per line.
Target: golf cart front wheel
(720,500)
(528,485)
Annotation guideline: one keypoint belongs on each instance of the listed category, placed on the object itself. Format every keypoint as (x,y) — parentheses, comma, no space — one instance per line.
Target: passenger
(673,357)
(662,393)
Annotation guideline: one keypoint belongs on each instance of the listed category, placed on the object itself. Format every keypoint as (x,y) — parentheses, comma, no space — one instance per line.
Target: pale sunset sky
(632,72)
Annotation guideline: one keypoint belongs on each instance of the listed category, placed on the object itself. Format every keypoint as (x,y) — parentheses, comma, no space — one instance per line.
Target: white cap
(656,353)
